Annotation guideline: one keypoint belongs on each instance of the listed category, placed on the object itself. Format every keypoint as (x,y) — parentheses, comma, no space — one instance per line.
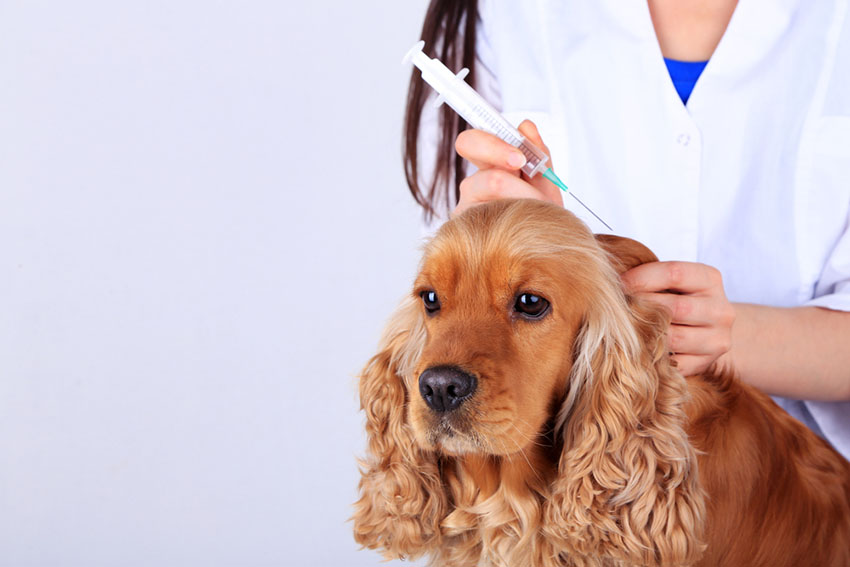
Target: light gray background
(203,228)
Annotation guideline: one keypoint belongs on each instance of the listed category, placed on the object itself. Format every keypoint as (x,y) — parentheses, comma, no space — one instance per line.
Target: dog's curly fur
(582,444)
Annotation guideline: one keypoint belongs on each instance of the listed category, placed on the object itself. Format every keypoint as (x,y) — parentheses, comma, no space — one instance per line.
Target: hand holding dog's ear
(702,316)
(498,175)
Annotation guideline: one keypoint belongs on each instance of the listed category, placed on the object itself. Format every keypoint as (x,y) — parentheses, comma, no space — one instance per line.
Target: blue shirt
(684,75)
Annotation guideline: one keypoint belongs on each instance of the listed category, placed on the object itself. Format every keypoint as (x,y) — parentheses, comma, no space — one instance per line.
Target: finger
(491,184)
(699,341)
(687,309)
(529,129)
(690,365)
(684,277)
(485,151)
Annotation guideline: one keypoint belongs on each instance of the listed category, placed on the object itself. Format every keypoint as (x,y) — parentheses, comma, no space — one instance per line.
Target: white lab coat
(752,177)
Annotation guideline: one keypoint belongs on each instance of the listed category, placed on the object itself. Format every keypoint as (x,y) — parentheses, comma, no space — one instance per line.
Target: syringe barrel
(477,112)
(536,159)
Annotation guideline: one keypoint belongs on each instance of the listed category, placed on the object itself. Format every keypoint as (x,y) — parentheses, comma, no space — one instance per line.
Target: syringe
(479,114)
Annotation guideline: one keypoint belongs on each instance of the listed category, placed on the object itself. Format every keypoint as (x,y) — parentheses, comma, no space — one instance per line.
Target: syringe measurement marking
(496,126)
(507,135)
(529,155)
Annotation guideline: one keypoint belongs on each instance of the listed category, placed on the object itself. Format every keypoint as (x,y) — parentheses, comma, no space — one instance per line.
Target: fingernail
(516,159)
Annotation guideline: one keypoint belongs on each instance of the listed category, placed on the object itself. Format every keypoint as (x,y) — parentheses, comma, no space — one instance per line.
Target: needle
(550,175)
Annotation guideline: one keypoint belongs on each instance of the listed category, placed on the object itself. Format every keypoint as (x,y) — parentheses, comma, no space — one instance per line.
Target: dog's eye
(531,305)
(431,301)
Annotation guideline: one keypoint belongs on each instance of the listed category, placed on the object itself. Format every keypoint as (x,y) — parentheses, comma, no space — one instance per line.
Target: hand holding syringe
(482,116)
(499,172)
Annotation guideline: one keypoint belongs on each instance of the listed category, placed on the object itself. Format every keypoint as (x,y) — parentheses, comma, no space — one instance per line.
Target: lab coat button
(683,139)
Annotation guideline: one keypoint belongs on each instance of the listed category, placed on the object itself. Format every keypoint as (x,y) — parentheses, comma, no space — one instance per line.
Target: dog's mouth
(459,434)
(453,434)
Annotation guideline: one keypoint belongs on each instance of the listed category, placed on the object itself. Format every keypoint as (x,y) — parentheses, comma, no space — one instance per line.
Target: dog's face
(501,310)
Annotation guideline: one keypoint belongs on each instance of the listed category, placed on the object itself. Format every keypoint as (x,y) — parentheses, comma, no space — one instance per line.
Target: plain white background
(203,228)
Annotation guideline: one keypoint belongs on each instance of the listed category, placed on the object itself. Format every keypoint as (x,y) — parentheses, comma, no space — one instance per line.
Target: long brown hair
(449,35)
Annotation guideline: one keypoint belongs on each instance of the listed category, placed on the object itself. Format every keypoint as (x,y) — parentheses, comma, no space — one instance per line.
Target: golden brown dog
(523,411)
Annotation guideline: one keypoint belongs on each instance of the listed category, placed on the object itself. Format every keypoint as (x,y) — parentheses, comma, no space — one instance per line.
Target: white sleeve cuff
(839,300)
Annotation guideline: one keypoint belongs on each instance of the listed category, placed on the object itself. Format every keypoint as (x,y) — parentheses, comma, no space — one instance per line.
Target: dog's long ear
(401,497)
(627,487)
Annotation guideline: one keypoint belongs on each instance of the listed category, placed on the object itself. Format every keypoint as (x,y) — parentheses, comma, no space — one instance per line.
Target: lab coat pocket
(832,140)
(824,196)
(828,179)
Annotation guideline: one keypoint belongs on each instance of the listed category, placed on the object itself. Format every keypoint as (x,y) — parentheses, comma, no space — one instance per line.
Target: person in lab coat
(716,134)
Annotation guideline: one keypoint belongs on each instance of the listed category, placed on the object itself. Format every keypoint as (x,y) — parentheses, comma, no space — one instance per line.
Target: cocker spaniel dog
(523,411)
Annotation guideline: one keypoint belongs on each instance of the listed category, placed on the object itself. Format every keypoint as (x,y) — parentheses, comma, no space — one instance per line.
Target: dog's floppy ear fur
(402,501)
(627,487)
(625,253)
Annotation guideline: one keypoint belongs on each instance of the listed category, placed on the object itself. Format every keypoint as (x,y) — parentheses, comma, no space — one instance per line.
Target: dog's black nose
(445,388)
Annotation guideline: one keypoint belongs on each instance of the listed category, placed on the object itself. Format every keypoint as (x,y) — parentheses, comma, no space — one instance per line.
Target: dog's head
(502,294)
(518,327)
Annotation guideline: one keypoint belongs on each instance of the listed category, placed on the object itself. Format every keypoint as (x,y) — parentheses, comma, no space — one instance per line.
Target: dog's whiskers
(527,460)
(531,440)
